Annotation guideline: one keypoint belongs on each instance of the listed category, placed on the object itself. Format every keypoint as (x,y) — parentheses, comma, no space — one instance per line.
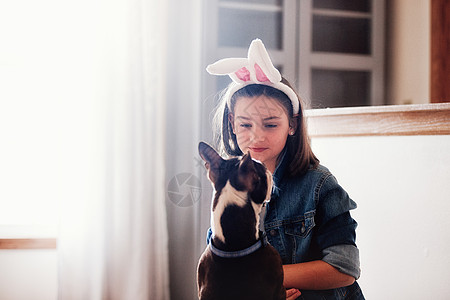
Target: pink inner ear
(260,74)
(243,74)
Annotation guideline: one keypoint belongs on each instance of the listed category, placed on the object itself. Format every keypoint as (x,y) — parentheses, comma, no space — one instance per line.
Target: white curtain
(113,239)
(188,191)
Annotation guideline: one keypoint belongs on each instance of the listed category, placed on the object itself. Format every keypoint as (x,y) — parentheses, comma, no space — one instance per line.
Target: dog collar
(262,242)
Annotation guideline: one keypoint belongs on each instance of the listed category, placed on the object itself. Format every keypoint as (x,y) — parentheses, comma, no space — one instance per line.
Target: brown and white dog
(238,263)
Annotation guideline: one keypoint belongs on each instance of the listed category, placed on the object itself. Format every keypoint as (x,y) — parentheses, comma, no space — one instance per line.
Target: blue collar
(278,174)
(261,242)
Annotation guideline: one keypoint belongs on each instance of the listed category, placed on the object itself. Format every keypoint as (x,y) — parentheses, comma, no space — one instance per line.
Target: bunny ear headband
(256,69)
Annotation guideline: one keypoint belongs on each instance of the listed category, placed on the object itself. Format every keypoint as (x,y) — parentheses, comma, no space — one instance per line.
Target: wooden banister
(28,243)
(423,119)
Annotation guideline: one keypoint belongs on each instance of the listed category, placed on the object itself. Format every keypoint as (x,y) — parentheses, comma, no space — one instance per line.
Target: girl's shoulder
(318,173)
(319,169)
(317,178)
(311,181)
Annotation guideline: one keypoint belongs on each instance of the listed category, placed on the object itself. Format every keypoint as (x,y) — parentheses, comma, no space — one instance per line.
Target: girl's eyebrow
(265,119)
(242,117)
(271,118)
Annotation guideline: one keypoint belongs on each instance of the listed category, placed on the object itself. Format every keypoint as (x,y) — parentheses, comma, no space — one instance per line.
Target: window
(29,120)
(28,159)
(332,51)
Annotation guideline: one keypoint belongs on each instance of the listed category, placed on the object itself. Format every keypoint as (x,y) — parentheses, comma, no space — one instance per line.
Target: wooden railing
(28,243)
(424,119)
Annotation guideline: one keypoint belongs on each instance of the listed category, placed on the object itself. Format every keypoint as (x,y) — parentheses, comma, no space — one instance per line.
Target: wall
(408,51)
(401,186)
(28,274)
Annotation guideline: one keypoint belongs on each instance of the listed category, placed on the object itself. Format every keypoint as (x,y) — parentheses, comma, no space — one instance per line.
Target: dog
(238,263)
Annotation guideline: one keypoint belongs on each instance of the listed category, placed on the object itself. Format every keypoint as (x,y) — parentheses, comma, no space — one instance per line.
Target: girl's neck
(271,166)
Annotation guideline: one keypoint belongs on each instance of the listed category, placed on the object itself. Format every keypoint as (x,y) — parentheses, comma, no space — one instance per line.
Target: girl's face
(261,126)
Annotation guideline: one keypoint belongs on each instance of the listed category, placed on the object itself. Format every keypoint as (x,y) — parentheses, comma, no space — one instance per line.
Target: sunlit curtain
(113,241)
(186,193)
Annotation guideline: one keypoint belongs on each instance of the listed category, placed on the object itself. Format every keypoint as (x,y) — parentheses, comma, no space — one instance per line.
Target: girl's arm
(315,275)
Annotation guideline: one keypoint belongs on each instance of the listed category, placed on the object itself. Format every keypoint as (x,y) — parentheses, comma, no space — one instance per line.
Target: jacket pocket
(301,226)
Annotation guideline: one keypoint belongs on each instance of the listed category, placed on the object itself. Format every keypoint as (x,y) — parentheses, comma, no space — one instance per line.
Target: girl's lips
(257,149)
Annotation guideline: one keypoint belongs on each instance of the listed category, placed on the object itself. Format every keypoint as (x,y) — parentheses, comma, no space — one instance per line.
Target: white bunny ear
(226,66)
(257,54)
(233,67)
(257,68)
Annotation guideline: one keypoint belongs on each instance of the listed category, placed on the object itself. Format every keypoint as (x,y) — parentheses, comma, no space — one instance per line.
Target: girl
(307,219)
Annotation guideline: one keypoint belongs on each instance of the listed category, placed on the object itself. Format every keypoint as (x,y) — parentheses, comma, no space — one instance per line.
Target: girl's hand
(292,294)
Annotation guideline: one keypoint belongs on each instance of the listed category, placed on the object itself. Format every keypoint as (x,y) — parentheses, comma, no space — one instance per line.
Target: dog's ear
(247,171)
(212,159)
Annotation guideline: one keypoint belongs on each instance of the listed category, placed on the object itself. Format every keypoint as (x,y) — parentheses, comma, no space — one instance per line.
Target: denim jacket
(308,219)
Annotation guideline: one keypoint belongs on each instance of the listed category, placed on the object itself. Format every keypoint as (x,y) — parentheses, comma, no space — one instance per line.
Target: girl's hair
(299,154)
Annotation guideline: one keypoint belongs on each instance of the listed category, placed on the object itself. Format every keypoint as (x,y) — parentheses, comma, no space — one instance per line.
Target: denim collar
(278,174)
(261,242)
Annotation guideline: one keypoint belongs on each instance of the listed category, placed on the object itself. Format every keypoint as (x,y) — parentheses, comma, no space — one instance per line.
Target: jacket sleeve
(336,229)
(335,226)
(208,235)
(345,258)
